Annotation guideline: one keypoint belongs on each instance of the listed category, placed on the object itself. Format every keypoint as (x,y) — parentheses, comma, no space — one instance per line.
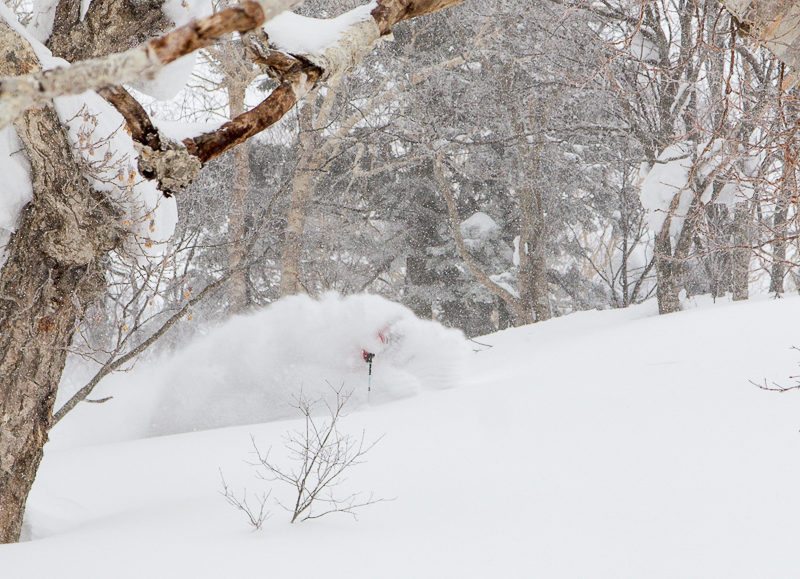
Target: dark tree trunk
(533,286)
(667,271)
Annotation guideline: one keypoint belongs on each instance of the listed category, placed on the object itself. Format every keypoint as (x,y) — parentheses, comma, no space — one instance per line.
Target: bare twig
(256,514)
(322,454)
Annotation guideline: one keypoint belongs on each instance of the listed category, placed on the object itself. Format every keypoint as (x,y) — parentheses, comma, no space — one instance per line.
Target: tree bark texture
(740,256)
(533,283)
(667,274)
(51,274)
(776,23)
(292,251)
(237,218)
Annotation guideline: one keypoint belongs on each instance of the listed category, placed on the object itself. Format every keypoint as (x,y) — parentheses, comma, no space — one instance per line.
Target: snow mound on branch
(477,228)
(251,368)
(43,13)
(305,35)
(684,166)
(668,177)
(180,130)
(170,80)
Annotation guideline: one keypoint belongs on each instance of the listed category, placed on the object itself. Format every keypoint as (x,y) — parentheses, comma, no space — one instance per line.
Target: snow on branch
(354,35)
(22,92)
(364,27)
(350,37)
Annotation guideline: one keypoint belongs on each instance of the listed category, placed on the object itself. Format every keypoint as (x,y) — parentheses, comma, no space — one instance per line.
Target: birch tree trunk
(302,188)
(667,274)
(237,219)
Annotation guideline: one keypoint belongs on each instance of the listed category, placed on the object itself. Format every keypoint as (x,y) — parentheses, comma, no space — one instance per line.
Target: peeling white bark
(353,46)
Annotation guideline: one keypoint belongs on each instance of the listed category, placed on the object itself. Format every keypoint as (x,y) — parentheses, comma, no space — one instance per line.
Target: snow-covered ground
(604,444)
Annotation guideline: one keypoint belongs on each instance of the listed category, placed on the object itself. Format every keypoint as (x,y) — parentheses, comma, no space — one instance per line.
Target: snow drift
(251,368)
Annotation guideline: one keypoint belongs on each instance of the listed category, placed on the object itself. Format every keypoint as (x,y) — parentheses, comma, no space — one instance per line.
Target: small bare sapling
(320,455)
(256,512)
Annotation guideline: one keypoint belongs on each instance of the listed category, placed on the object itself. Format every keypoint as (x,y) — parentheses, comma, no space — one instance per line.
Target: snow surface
(253,367)
(612,444)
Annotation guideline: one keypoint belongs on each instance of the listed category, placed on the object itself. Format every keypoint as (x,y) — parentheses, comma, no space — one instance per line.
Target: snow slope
(603,444)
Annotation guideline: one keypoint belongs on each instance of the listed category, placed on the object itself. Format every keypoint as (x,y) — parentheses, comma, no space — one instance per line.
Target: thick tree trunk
(50,276)
(667,274)
(740,256)
(533,286)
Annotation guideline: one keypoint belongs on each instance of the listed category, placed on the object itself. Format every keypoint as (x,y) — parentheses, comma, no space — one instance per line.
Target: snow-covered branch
(21,92)
(300,74)
(372,21)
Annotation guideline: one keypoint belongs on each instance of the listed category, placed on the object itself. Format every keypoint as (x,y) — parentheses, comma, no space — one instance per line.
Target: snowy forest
(461,217)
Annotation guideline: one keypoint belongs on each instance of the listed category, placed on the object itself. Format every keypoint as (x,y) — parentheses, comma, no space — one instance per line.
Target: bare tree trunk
(779,228)
(716,245)
(292,253)
(237,219)
(668,286)
(740,256)
(302,187)
(533,286)
(780,224)
(51,275)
